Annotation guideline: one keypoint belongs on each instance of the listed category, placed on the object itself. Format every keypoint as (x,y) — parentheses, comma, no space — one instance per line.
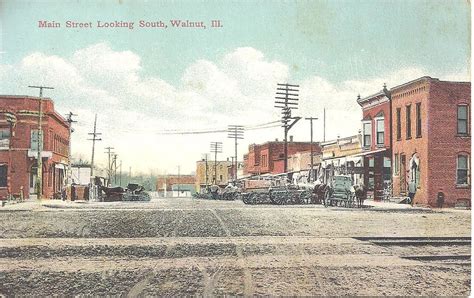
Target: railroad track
(462,259)
(417,241)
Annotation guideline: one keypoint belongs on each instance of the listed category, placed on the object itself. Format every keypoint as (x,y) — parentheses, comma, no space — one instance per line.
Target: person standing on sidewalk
(411,191)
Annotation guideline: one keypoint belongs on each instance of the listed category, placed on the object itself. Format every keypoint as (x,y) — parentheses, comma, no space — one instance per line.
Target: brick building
(376,148)
(269,157)
(165,183)
(19,146)
(223,173)
(431,140)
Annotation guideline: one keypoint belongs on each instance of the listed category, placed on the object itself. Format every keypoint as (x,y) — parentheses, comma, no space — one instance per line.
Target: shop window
(408,120)
(371,162)
(3,175)
(462,177)
(380,131)
(463,124)
(367,128)
(4,138)
(418,120)
(399,124)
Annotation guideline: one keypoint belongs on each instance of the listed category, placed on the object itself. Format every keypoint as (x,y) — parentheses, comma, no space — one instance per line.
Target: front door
(403,174)
(33,177)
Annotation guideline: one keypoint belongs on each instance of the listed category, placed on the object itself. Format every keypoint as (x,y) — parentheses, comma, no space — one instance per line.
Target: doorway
(403,174)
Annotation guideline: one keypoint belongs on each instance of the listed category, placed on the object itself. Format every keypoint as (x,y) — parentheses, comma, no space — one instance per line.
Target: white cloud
(131,108)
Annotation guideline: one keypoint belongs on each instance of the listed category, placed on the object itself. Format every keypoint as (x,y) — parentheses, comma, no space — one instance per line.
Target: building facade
(208,174)
(375,143)
(268,158)
(165,184)
(342,156)
(19,146)
(431,140)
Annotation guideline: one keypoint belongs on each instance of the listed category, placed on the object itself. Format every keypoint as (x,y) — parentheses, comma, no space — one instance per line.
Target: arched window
(462,169)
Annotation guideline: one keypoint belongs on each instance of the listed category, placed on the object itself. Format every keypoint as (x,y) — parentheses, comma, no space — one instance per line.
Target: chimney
(291,138)
(276,140)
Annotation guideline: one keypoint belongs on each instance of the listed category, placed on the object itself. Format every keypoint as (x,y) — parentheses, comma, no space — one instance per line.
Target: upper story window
(463,125)
(4,138)
(367,131)
(34,139)
(408,116)
(380,131)
(399,123)
(462,167)
(418,120)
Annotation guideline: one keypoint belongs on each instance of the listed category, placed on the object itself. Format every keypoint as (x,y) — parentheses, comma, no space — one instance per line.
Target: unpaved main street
(197,247)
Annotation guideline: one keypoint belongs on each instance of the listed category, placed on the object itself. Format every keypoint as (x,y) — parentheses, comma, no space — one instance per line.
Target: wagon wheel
(247,198)
(305,197)
(277,197)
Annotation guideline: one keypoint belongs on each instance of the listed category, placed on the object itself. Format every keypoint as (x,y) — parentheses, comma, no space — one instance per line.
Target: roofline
(23,97)
(367,98)
(424,78)
(335,141)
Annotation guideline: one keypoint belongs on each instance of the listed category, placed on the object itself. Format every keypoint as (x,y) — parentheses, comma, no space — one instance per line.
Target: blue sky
(334,49)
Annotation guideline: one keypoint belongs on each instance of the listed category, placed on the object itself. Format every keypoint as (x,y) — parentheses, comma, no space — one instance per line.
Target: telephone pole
(39,173)
(207,180)
(94,139)
(287,100)
(235,132)
(216,147)
(114,164)
(109,165)
(71,130)
(120,173)
(311,175)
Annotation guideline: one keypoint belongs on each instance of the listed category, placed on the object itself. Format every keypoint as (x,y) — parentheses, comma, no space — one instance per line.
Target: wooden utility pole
(69,164)
(311,175)
(109,165)
(287,100)
(216,147)
(235,132)
(39,173)
(94,139)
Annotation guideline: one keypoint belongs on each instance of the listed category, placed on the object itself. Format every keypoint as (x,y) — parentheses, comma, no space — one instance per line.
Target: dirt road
(189,247)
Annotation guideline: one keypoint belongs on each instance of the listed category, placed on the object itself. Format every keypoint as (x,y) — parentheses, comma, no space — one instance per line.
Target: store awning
(370,152)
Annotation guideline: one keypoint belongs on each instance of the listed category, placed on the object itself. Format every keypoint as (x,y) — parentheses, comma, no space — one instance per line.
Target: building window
(463,120)
(220,177)
(380,131)
(399,124)
(3,175)
(418,120)
(462,177)
(4,138)
(367,128)
(396,166)
(408,112)
(34,140)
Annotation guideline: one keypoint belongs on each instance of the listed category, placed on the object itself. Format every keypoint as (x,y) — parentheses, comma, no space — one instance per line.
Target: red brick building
(164,183)
(269,157)
(19,146)
(431,140)
(376,149)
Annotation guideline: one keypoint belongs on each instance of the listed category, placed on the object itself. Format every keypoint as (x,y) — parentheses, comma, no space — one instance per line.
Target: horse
(360,194)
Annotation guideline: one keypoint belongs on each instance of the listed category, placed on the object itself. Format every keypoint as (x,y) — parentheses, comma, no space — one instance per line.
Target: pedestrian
(411,191)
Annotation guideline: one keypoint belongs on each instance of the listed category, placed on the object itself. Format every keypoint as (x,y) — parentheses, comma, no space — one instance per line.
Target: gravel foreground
(207,248)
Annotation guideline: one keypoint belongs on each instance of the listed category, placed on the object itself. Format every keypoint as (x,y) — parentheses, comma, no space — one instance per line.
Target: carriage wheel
(305,197)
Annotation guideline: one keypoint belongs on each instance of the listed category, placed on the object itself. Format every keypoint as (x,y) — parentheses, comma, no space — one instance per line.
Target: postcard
(235,148)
